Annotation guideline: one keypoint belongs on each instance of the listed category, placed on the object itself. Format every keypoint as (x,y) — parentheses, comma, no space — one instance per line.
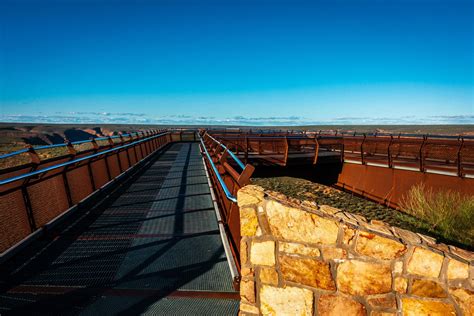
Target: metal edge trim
(225,242)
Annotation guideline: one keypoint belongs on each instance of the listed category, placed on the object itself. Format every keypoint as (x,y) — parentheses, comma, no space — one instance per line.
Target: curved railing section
(226,180)
(453,156)
(30,200)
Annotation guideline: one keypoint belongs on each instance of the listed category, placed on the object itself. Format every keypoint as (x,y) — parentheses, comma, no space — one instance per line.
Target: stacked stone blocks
(299,258)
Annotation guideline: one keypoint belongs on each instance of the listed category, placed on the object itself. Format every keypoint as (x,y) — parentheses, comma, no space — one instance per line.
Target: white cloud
(142,118)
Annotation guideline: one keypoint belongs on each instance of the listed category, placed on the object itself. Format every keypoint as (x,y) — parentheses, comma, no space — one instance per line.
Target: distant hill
(17,136)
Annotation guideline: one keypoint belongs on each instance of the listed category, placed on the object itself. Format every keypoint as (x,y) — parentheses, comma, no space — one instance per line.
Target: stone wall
(299,258)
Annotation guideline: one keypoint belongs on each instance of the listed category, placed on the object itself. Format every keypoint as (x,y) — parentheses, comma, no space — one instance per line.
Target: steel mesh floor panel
(192,262)
(11,301)
(83,263)
(189,180)
(192,202)
(181,223)
(107,305)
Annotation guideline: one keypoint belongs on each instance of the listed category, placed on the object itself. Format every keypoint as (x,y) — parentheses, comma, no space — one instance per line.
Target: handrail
(333,134)
(25,150)
(216,172)
(71,162)
(239,162)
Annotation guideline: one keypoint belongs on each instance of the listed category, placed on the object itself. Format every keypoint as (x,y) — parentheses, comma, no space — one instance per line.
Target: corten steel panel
(113,165)
(99,172)
(79,182)
(48,199)
(188,136)
(175,137)
(133,155)
(140,152)
(14,225)
(124,160)
(388,185)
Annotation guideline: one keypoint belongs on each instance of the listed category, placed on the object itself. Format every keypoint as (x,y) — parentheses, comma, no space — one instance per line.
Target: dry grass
(449,213)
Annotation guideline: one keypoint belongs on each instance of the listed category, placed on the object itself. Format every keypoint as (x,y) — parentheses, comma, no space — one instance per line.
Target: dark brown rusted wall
(389,185)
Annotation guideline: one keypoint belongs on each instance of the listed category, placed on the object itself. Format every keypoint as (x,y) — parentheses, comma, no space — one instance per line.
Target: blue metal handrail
(22,151)
(239,162)
(216,172)
(71,162)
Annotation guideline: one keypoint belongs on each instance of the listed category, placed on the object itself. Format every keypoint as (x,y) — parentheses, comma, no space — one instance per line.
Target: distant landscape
(14,136)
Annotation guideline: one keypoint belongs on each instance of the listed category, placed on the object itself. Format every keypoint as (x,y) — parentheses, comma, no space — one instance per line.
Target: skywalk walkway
(153,249)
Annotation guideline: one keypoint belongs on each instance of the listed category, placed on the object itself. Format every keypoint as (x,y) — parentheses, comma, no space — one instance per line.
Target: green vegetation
(449,213)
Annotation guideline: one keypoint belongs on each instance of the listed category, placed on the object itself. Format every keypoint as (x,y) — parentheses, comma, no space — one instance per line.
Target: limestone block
(457,270)
(330,253)
(262,253)
(465,299)
(417,307)
(250,195)
(247,272)
(425,262)
(248,221)
(407,235)
(379,247)
(300,249)
(297,225)
(427,288)
(310,272)
(336,305)
(286,301)
(398,267)
(386,301)
(364,278)
(400,284)
(247,290)
(329,209)
(246,308)
(268,276)
(349,235)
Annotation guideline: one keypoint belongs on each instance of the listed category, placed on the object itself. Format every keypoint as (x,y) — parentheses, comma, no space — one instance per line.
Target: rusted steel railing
(228,174)
(435,154)
(33,158)
(29,200)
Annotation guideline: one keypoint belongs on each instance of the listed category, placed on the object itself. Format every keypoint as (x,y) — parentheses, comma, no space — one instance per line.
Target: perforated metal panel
(48,199)
(13,220)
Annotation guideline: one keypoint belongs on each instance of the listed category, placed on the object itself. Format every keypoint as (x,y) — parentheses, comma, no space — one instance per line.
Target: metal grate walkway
(154,249)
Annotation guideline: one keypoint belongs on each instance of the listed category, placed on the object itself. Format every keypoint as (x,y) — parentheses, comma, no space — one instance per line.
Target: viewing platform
(152,248)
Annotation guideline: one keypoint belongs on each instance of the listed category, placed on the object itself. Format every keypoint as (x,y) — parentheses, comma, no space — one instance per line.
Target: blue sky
(237,62)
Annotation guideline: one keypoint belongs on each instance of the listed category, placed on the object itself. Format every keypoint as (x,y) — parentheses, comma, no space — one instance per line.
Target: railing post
(460,157)
(118,153)
(342,150)
(287,147)
(422,165)
(89,167)
(389,153)
(134,147)
(36,161)
(246,149)
(72,152)
(316,150)
(362,150)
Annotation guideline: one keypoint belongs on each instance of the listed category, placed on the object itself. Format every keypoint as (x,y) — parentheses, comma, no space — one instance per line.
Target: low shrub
(450,214)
